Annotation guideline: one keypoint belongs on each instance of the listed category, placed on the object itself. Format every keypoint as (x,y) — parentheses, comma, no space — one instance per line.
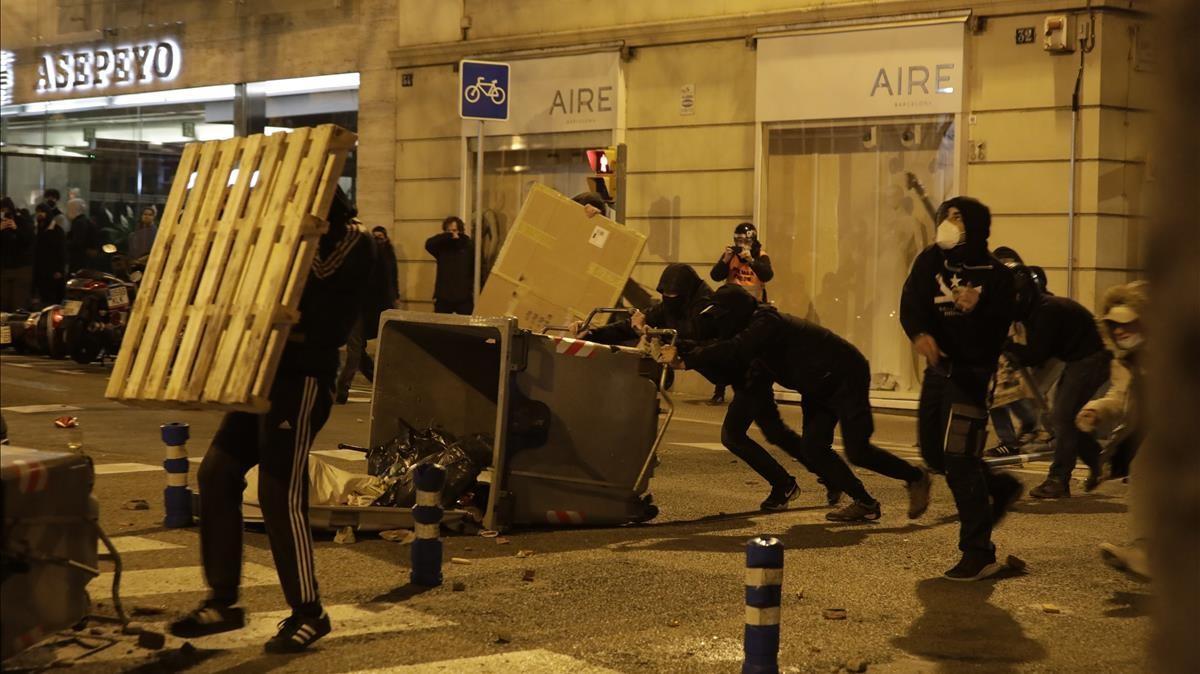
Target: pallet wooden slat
(223,283)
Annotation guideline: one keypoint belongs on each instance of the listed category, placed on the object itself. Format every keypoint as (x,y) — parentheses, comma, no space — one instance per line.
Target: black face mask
(674,305)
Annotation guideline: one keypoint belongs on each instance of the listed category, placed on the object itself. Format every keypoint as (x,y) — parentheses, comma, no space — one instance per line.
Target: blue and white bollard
(764,584)
(177,498)
(427,517)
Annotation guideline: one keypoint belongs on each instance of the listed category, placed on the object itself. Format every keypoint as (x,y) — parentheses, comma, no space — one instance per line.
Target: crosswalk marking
(118,468)
(537,661)
(358,400)
(715,446)
(125,544)
(344,454)
(145,582)
(40,409)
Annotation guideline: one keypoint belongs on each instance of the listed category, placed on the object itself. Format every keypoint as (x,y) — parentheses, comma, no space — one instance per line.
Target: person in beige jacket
(1119,413)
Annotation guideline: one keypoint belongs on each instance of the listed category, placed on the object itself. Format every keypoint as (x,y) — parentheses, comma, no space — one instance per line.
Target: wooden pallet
(222,286)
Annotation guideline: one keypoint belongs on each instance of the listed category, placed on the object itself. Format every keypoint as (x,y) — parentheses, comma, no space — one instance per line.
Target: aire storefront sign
(98,68)
(872,72)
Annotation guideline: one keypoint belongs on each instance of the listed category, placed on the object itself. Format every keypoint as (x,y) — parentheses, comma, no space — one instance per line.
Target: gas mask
(948,235)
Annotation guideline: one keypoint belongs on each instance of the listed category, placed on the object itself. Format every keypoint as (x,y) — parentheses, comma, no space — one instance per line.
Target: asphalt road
(660,597)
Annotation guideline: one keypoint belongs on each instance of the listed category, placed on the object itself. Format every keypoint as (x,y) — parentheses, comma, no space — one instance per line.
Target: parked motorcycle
(34,332)
(97,309)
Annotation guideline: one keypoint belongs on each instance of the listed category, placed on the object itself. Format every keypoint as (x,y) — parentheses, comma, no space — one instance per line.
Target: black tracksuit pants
(755,403)
(849,404)
(278,443)
(970,480)
(1079,382)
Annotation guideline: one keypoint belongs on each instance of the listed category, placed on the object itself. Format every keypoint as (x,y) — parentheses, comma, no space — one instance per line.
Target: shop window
(843,220)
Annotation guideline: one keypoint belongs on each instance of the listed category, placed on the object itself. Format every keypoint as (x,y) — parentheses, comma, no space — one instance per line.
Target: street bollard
(427,517)
(764,583)
(177,499)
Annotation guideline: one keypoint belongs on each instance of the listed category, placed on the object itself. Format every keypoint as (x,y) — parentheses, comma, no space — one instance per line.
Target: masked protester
(1120,415)
(833,379)
(278,442)
(1058,327)
(956,307)
(684,294)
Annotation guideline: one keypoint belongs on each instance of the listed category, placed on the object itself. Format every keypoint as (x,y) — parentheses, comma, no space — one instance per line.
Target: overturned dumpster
(574,426)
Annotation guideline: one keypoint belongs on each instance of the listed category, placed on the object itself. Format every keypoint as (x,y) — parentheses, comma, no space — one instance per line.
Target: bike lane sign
(483,90)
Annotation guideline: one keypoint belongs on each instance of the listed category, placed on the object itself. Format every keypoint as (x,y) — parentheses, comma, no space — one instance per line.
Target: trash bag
(396,461)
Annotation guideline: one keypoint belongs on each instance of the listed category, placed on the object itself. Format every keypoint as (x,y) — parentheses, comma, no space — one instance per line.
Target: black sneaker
(974,567)
(1000,450)
(918,495)
(208,619)
(1006,496)
(856,511)
(1094,479)
(1051,488)
(297,633)
(780,497)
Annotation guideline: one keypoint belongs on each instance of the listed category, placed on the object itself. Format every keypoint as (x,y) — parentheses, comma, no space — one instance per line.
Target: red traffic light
(602,161)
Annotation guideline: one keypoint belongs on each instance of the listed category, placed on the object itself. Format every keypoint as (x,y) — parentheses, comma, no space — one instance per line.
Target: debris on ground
(395,463)
(856,666)
(488,533)
(834,614)
(504,638)
(528,575)
(1051,608)
(502,541)
(148,610)
(460,560)
(458,586)
(522,554)
(673,623)
(66,422)
(799,594)
(401,536)
(137,504)
(151,640)
(344,536)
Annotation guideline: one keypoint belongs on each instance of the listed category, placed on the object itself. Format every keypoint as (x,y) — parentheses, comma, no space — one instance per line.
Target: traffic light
(603,181)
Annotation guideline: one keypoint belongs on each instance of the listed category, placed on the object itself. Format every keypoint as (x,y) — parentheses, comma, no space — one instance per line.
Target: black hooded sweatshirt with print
(927,304)
(691,295)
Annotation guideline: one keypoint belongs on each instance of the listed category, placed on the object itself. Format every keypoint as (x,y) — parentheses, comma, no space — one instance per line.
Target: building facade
(830,125)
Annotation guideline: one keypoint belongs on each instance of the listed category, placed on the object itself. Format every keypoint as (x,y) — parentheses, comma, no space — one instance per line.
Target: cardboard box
(558,264)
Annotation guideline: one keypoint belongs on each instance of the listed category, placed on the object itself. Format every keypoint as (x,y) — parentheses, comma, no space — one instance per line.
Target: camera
(737,250)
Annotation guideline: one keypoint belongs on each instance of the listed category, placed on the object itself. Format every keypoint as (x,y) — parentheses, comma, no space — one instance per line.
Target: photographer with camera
(743,264)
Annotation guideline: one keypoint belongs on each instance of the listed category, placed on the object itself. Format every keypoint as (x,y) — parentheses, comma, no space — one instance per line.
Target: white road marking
(537,661)
(119,468)
(348,620)
(29,365)
(358,400)
(706,422)
(145,582)
(125,544)
(68,371)
(344,454)
(39,409)
(715,446)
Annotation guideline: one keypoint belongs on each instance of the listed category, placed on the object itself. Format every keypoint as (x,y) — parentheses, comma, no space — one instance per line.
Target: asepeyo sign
(99,68)
(874,72)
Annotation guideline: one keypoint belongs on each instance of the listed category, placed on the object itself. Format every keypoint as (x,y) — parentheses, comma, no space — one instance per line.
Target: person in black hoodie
(956,307)
(278,442)
(684,294)
(454,289)
(1059,327)
(16,256)
(49,257)
(834,380)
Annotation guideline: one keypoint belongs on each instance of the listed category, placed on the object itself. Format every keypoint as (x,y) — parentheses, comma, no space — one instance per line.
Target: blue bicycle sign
(483,90)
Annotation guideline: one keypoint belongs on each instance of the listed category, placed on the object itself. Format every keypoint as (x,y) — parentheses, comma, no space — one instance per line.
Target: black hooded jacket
(455,280)
(679,313)
(927,304)
(1057,327)
(795,353)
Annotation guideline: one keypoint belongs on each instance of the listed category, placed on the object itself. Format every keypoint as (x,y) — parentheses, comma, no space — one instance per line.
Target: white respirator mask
(948,235)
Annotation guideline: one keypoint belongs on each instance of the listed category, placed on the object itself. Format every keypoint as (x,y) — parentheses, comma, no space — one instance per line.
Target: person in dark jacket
(141,240)
(379,297)
(390,289)
(49,257)
(454,290)
(684,294)
(746,265)
(956,307)
(84,238)
(278,441)
(1058,327)
(16,256)
(833,379)
(50,199)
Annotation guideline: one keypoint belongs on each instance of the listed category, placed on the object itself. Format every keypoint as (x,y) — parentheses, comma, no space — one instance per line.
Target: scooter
(97,309)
